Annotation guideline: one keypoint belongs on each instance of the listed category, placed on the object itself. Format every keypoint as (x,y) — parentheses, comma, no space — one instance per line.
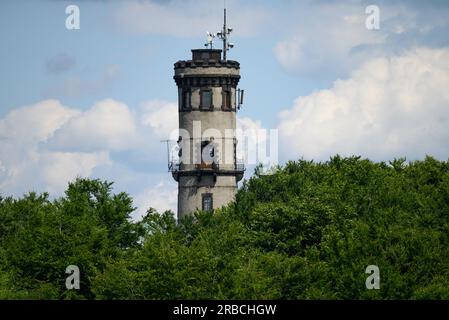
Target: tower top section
(209,66)
(203,58)
(206,55)
(211,57)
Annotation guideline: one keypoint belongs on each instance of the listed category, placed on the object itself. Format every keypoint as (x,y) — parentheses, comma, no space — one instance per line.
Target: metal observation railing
(177,166)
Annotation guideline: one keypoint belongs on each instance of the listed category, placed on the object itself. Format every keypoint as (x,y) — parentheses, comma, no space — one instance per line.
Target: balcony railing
(240,166)
(176,167)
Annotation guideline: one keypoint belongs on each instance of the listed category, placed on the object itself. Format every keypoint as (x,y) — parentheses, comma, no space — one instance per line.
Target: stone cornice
(210,80)
(207,63)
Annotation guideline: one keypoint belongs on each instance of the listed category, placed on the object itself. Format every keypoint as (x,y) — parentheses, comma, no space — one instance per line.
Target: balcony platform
(207,170)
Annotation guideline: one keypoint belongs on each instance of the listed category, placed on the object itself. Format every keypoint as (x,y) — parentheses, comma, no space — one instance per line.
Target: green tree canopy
(308,231)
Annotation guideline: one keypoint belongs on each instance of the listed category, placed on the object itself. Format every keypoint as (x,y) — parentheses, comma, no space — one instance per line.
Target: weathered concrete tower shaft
(207,169)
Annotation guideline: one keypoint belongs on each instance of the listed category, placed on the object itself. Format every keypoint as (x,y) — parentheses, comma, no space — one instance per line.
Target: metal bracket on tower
(239,97)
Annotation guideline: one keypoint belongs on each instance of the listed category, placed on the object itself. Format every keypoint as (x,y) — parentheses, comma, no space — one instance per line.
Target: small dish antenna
(210,40)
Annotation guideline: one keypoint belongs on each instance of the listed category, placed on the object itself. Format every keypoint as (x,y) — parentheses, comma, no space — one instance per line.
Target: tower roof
(207,58)
(206,55)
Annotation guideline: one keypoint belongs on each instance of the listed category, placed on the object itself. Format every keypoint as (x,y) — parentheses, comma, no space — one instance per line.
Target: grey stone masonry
(207,172)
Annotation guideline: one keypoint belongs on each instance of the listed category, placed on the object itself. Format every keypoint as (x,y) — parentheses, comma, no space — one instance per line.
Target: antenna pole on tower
(225,36)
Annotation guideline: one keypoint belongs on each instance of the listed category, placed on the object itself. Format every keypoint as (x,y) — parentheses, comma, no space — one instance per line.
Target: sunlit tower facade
(206,166)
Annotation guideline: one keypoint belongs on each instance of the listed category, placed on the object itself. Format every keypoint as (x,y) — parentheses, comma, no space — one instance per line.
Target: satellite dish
(210,40)
(210,37)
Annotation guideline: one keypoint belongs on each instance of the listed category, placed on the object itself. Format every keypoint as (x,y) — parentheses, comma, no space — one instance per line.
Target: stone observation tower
(205,163)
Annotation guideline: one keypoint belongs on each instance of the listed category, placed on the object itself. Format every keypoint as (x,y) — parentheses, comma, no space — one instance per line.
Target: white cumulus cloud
(389,107)
(161,116)
(46,145)
(36,122)
(108,125)
(163,196)
(58,168)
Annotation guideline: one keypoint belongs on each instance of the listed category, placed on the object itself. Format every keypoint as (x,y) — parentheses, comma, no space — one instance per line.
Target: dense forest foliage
(306,232)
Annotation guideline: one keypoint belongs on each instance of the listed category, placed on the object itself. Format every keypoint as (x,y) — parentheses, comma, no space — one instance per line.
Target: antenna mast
(224,34)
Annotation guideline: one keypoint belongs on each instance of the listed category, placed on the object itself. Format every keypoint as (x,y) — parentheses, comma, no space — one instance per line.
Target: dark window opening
(186,99)
(227,100)
(206,99)
(207,203)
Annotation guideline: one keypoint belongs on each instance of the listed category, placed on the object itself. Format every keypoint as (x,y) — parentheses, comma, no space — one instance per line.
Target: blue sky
(97,101)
